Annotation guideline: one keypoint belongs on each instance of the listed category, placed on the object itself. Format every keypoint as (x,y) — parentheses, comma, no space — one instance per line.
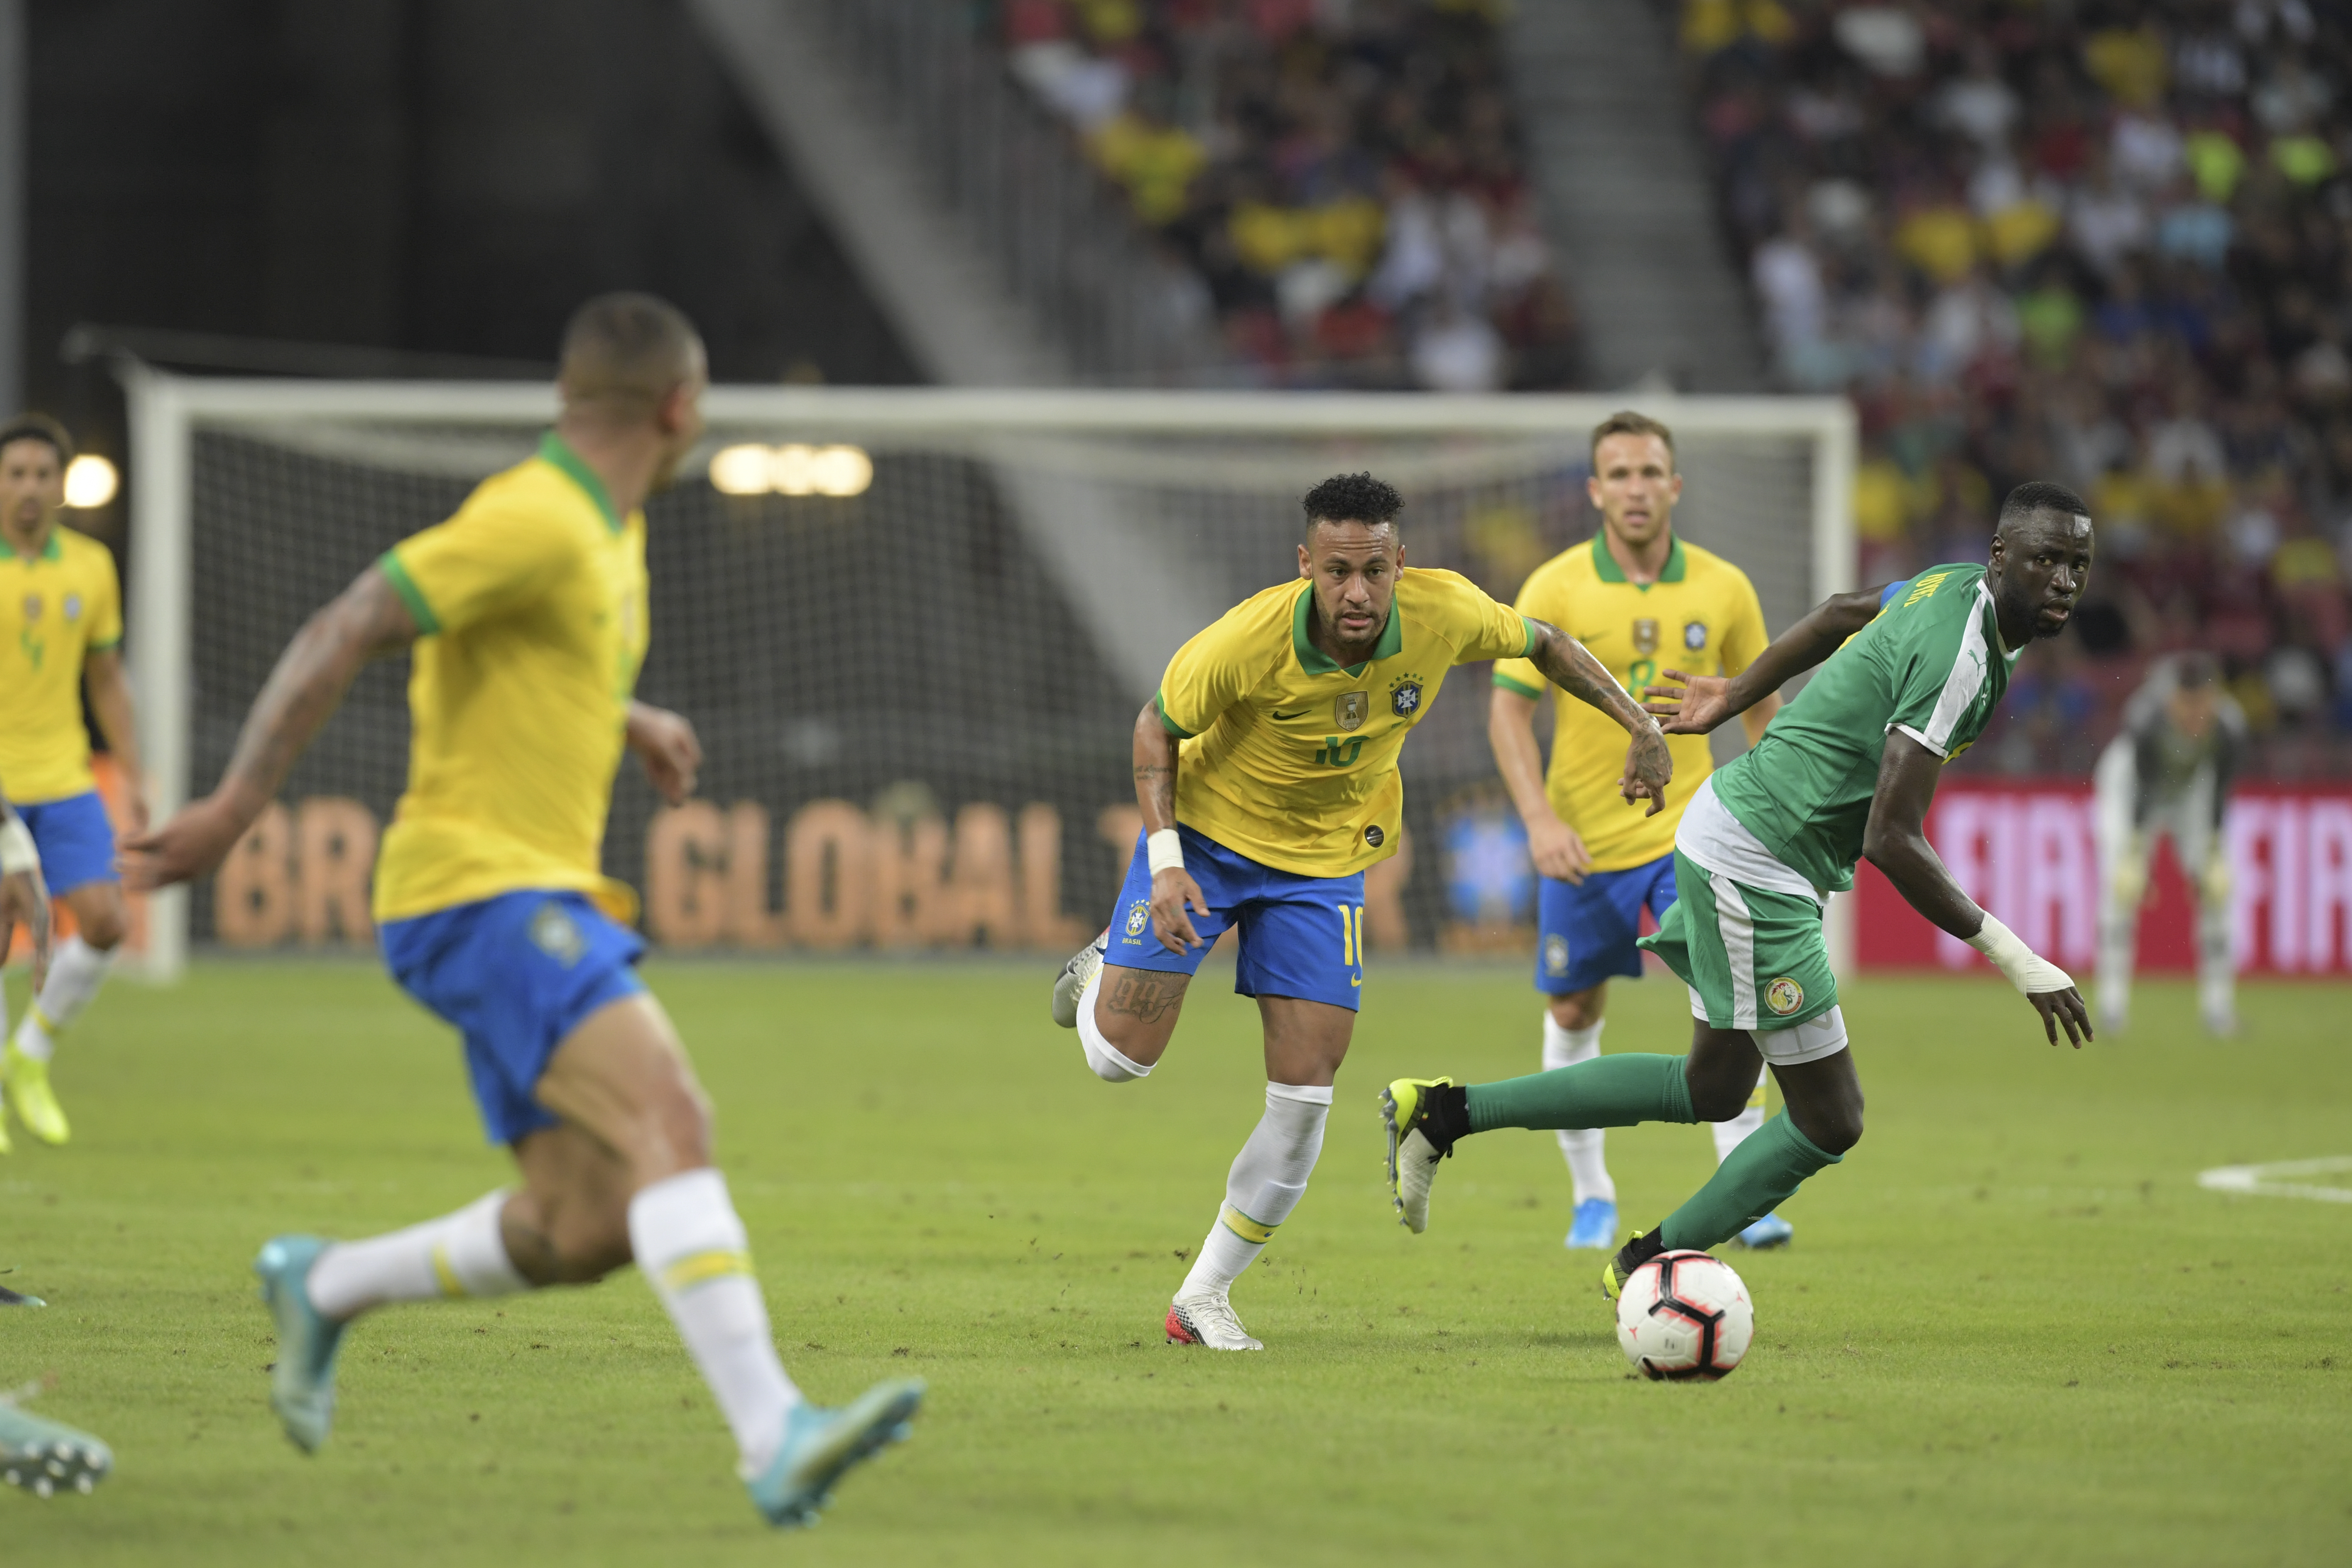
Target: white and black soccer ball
(1684,1317)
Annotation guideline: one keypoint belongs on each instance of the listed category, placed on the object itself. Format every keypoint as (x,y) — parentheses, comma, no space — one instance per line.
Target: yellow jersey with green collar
(1291,759)
(529,603)
(1701,617)
(56,608)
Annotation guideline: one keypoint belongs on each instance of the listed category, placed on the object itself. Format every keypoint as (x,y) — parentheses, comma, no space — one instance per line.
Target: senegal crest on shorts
(1645,636)
(1348,709)
(1784,996)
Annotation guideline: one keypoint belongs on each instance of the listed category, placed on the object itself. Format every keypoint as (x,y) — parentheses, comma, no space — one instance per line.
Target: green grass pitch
(2013,1328)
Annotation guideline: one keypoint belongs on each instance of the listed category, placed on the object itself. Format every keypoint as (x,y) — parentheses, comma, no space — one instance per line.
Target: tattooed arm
(317,666)
(1569,665)
(1172,890)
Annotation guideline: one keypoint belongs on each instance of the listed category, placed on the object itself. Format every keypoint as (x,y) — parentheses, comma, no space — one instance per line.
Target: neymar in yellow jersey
(526,616)
(60,637)
(1267,770)
(1642,599)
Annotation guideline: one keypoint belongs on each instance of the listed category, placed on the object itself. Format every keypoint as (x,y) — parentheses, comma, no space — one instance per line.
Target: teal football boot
(821,1446)
(302,1379)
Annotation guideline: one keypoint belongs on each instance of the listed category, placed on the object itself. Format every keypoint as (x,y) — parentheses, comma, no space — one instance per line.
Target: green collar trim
(1605,565)
(555,450)
(1314,661)
(53,550)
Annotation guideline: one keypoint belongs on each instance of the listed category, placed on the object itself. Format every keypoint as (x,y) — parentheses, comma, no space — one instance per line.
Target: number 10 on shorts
(1351,941)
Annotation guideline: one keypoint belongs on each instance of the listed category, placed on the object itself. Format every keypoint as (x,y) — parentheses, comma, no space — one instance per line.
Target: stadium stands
(2110,242)
(1346,181)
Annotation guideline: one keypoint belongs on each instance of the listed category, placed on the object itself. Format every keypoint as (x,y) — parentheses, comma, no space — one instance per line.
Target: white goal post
(1095,487)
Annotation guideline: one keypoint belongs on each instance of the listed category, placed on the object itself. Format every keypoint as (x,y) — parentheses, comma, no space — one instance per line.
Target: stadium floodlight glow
(90,481)
(740,471)
(792,469)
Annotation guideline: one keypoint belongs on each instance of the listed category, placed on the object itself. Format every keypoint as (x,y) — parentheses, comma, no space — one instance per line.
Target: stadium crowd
(2110,242)
(1346,180)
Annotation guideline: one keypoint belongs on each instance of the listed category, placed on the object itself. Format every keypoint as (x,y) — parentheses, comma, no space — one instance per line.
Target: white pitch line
(2259,1181)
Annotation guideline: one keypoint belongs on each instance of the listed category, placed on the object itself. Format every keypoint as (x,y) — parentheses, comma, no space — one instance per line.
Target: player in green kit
(1846,771)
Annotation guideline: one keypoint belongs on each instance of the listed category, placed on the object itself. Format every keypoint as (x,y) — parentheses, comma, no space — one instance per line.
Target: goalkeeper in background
(2168,773)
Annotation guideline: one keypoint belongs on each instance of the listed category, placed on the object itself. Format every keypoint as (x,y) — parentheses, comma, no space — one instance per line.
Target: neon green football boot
(27,1082)
(1415,1146)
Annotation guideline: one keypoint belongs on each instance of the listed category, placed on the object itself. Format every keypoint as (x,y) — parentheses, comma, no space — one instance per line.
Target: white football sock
(461,1254)
(1588,1168)
(2217,970)
(1729,1135)
(693,1251)
(75,975)
(1268,1177)
(1101,1055)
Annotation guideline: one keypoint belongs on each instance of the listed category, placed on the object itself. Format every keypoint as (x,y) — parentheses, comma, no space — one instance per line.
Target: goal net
(912,627)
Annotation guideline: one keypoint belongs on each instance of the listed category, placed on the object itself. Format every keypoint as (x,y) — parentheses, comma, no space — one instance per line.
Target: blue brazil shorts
(76,841)
(1585,931)
(514,974)
(1301,936)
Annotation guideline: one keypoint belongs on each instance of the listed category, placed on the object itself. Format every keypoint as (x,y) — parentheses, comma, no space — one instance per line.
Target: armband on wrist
(18,853)
(2026,970)
(1163,851)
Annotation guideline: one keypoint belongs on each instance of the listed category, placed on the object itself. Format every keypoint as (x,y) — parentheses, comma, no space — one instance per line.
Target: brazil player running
(61,633)
(1847,769)
(527,613)
(1637,594)
(1267,770)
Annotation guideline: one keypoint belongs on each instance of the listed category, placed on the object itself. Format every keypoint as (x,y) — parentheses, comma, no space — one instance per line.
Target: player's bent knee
(1720,1099)
(103,923)
(1577,1009)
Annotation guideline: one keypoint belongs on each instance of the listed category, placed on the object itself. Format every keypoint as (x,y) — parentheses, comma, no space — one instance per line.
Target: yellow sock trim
(1248,1229)
(703,1266)
(444,1275)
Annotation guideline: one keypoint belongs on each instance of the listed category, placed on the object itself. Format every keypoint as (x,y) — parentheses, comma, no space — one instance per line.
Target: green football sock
(1607,1091)
(1769,1164)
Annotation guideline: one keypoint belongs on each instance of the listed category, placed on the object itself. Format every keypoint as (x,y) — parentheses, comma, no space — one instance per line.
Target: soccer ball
(1685,1316)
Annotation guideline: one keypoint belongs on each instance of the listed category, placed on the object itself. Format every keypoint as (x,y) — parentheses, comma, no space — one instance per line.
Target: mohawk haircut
(2042,494)
(1351,497)
(626,349)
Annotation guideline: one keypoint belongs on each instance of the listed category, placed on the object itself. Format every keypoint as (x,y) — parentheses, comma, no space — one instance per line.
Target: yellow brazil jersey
(532,606)
(1700,616)
(1290,759)
(56,607)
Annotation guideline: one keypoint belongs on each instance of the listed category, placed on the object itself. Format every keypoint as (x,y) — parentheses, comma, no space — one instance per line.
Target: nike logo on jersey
(1298,714)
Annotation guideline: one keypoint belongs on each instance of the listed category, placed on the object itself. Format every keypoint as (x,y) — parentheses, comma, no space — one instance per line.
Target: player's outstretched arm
(1897,842)
(367,619)
(24,895)
(1173,892)
(1570,665)
(1695,704)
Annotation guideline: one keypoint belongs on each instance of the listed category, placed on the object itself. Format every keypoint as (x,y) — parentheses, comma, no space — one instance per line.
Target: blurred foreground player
(1266,768)
(2168,774)
(1650,595)
(61,633)
(1848,770)
(527,614)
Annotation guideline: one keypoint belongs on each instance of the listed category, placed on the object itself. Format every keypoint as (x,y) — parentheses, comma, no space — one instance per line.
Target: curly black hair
(2042,495)
(1352,498)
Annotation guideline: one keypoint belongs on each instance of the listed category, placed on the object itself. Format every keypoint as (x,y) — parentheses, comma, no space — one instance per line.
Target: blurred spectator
(2110,241)
(1344,176)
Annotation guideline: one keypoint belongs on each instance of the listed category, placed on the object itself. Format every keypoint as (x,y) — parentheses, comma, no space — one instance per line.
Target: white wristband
(16,851)
(2027,971)
(1163,851)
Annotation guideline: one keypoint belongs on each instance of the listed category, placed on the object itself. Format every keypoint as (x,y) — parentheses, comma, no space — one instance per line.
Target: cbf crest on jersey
(1404,696)
(1645,636)
(1348,709)
(73,607)
(1693,635)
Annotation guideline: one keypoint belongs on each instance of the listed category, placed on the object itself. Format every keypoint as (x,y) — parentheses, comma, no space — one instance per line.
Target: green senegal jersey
(1932,665)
